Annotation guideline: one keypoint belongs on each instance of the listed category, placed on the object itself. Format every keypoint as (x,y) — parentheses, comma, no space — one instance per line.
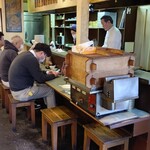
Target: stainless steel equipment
(33,25)
(118,88)
(117,95)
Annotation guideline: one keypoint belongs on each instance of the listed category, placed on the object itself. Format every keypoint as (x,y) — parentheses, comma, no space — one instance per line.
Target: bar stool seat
(104,137)
(14,104)
(59,117)
(5,102)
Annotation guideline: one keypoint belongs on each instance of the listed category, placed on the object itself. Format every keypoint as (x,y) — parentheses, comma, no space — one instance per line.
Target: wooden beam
(96,1)
(82,21)
(41,6)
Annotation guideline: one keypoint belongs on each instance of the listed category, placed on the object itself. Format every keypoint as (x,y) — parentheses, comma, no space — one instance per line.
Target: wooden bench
(59,117)
(104,137)
(5,101)
(14,104)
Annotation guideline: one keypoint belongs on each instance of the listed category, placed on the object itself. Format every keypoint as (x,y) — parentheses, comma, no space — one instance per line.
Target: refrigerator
(33,25)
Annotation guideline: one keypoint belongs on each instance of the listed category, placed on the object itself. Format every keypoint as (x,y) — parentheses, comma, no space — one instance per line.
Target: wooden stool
(104,137)
(59,117)
(5,101)
(13,104)
(0,89)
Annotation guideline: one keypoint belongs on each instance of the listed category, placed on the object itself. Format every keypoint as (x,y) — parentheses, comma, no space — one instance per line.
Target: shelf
(94,28)
(59,27)
(121,28)
(67,27)
(69,45)
(70,20)
(59,19)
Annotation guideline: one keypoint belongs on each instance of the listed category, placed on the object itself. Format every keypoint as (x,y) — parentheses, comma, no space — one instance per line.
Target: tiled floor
(27,138)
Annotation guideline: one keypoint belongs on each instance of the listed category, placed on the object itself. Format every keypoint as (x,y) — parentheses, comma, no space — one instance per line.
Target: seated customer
(25,70)
(1,41)
(10,51)
(1,45)
(47,61)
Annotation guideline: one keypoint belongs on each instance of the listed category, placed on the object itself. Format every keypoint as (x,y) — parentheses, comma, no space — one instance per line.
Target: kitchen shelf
(97,33)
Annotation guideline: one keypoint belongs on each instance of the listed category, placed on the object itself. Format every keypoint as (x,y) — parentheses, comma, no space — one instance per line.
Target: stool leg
(74,134)
(103,147)
(44,129)
(62,132)
(86,145)
(3,98)
(29,113)
(54,135)
(0,91)
(13,117)
(10,112)
(32,114)
(126,144)
(148,139)
(7,101)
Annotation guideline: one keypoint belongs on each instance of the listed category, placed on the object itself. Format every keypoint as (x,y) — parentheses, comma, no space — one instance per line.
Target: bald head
(17,41)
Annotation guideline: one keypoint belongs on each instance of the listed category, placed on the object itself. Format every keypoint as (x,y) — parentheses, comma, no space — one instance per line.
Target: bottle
(26,37)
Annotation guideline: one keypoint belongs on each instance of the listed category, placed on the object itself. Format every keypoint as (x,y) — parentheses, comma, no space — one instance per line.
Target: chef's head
(107,22)
(73,31)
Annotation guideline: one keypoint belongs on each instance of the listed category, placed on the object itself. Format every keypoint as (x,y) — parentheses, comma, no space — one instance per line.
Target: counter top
(27,44)
(135,114)
(143,75)
(59,52)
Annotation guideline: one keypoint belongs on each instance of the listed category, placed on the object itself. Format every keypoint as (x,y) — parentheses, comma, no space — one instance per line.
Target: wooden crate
(90,70)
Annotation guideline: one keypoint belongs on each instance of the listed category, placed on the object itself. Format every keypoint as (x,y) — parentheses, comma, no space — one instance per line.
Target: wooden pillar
(82,21)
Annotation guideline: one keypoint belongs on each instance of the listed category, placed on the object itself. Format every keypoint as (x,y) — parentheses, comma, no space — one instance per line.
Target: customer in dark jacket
(7,56)
(1,45)
(25,70)
(1,41)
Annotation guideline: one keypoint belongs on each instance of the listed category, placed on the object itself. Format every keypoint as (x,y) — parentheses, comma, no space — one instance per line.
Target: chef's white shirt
(113,38)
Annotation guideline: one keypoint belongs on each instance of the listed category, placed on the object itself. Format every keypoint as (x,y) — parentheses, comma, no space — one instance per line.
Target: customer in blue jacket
(10,51)
(25,70)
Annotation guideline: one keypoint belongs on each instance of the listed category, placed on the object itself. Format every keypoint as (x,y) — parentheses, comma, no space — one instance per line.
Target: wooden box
(90,70)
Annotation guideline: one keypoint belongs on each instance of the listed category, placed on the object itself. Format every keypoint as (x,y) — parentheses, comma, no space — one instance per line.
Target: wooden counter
(139,125)
(144,76)
(27,46)
(58,58)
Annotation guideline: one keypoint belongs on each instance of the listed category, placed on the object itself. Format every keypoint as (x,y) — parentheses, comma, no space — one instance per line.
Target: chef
(73,33)
(113,34)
